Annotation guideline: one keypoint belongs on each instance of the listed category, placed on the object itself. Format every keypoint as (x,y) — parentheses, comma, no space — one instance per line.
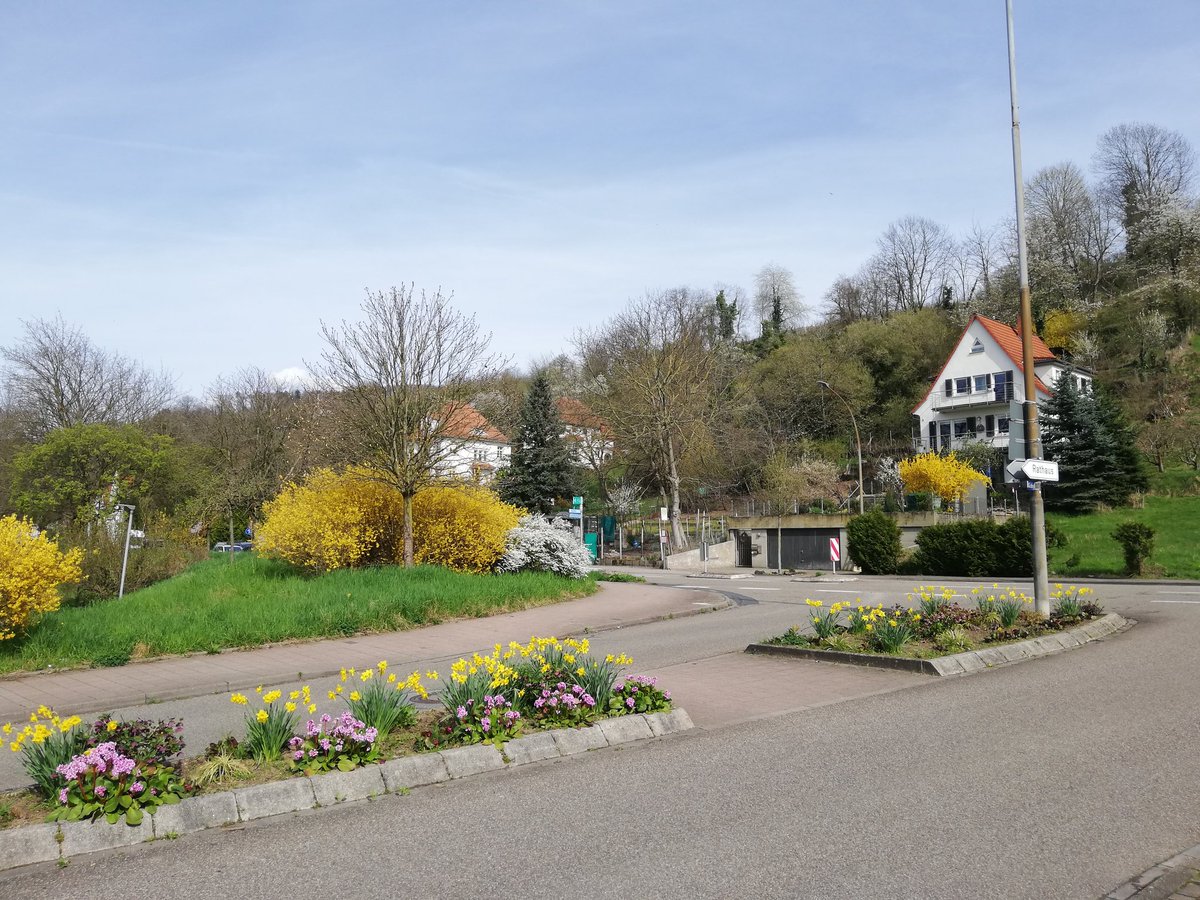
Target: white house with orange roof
(586,432)
(970,399)
(472,448)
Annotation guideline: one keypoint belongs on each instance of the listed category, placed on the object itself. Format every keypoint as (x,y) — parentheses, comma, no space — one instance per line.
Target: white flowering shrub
(536,545)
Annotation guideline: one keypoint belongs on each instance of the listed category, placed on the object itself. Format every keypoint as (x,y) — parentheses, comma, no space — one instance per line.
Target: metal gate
(803,548)
(745,549)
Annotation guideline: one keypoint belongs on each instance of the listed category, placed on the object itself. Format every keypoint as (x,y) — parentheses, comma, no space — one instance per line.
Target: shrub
(31,569)
(953,640)
(333,521)
(976,547)
(461,527)
(874,542)
(536,545)
(944,475)
(45,742)
(1137,543)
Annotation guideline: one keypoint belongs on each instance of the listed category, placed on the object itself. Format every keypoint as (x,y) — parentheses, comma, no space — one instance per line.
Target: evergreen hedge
(874,542)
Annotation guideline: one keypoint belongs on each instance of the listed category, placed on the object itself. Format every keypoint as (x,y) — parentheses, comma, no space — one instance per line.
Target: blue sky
(199,185)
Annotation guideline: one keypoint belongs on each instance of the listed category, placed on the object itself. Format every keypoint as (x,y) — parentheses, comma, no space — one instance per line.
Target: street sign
(1034,469)
(577,502)
(835,550)
(662,514)
(1016,429)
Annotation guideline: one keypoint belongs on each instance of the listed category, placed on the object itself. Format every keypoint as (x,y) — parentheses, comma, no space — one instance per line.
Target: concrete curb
(1164,880)
(41,843)
(972,660)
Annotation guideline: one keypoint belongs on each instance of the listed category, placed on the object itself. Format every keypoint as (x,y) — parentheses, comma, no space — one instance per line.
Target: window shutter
(949,387)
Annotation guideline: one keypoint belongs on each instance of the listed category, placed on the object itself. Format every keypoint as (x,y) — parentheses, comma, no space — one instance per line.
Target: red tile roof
(578,414)
(468,423)
(1009,340)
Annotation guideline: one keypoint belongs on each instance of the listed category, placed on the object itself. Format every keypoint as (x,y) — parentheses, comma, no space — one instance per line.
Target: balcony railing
(1000,394)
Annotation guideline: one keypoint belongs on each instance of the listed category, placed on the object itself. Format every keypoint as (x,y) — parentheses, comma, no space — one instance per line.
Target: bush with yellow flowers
(336,520)
(332,520)
(31,570)
(943,474)
(461,527)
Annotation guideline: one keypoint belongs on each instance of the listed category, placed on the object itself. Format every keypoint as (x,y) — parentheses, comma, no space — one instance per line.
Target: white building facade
(972,397)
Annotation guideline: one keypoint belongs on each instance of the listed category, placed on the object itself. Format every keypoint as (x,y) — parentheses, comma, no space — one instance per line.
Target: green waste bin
(589,541)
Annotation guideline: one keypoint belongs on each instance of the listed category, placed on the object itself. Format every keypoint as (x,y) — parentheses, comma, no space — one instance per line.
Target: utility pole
(1033,442)
(128,534)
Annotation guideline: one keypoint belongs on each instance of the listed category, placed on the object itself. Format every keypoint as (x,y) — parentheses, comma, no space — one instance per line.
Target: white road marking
(751,587)
(1179,592)
(833,591)
(1175,601)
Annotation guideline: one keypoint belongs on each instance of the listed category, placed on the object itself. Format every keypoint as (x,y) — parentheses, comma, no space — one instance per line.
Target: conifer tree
(1097,460)
(542,466)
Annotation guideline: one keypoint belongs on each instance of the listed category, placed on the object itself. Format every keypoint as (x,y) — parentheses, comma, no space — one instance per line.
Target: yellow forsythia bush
(336,520)
(461,527)
(333,520)
(31,569)
(945,475)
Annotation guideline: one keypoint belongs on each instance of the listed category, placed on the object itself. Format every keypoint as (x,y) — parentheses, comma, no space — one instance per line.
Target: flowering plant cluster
(342,743)
(155,743)
(102,781)
(638,694)
(45,742)
(933,617)
(564,704)
(377,697)
(270,727)
(537,545)
(494,719)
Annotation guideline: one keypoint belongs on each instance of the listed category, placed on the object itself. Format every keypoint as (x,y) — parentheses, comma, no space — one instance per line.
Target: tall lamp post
(857,442)
(128,534)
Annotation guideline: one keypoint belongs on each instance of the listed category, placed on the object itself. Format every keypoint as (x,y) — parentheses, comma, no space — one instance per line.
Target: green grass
(1175,482)
(1176,521)
(218,604)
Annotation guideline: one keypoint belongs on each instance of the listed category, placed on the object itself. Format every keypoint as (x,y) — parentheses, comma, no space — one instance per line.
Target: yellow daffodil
(262,715)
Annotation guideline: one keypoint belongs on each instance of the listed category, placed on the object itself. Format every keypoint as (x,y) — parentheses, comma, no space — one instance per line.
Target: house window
(1002,425)
(990,425)
(933,435)
(960,429)
(977,347)
(945,430)
(982,383)
(1003,382)
(962,385)
(480,455)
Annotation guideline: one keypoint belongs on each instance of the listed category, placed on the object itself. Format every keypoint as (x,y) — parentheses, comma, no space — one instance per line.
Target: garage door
(803,548)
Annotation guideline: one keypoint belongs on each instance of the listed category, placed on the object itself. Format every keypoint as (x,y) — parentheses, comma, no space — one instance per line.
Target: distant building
(476,448)
(970,399)
(586,432)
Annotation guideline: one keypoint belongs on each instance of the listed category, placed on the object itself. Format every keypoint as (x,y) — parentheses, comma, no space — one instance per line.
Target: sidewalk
(94,690)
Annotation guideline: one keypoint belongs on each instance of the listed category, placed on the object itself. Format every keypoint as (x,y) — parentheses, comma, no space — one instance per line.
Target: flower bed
(113,771)
(932,625)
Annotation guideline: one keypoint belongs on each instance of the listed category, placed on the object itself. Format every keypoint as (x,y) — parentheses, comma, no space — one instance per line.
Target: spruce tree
(1097,461)
(542,466)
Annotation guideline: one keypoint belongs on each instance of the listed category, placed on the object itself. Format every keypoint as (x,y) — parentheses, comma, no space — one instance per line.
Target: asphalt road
(1055,778)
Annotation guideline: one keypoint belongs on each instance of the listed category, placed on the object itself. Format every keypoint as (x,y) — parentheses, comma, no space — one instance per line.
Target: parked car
(226,547)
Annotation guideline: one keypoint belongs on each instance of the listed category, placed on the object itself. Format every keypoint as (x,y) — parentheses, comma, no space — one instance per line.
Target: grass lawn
(218,604)
(1093,551)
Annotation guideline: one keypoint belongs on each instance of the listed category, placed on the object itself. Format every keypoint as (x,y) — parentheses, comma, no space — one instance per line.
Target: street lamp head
(824,384)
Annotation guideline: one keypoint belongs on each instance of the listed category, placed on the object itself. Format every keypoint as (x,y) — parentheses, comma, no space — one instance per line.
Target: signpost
(577,504)
(835,552)
(1034,469)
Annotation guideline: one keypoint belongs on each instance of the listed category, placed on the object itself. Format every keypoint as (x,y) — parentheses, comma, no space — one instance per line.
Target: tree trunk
(408,530)
(680,536)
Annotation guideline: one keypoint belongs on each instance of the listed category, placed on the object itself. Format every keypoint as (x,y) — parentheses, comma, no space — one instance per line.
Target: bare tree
(776,299)
(403,378)
(912,259)
(1071,236)
(55,377)
(1138,162)
(250,427)
(656,374)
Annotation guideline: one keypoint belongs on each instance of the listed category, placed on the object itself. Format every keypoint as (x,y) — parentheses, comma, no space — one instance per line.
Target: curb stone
(41,843)
(1163,881)
(971,660)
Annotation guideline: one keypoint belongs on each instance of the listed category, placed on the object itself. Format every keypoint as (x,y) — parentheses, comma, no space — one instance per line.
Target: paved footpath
(94,690)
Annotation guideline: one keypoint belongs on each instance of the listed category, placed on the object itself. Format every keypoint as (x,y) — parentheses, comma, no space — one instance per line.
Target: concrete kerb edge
(972,660)
(47,842)
(1162,880)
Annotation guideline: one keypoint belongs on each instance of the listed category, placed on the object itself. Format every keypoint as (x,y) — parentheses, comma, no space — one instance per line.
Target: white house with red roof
(970,399)
(472,448)
(586,432)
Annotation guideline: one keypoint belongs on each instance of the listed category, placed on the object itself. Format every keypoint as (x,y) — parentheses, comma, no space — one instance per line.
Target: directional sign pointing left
(1033,469)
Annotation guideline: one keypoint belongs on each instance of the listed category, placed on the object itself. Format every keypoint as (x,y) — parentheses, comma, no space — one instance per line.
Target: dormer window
(977,347)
